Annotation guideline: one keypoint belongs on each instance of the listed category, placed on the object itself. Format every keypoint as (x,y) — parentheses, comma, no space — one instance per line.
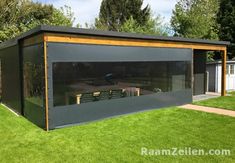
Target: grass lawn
(118,139)
(227,102)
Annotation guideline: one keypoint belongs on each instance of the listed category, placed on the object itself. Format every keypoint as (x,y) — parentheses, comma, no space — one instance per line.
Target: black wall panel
(64,52)
(72,114)
(11,86)
(199,70)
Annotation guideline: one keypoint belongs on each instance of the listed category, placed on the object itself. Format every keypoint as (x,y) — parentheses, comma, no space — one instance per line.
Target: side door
(231,77)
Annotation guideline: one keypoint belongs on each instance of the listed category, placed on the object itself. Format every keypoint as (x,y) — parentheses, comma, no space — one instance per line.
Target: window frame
(231,69)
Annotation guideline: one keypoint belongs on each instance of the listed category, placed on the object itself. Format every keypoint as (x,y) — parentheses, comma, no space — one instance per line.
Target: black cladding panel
(10,78)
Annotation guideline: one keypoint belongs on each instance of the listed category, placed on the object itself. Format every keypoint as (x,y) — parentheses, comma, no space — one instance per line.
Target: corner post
(46,82)
(223,83)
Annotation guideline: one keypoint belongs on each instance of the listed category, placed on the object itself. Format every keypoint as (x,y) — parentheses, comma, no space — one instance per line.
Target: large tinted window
(83,82)
(33,74)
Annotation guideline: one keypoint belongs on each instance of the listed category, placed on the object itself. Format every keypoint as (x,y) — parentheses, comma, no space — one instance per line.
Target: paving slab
(209,109)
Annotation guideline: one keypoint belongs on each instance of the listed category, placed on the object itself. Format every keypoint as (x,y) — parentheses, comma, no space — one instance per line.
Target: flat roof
(111,34)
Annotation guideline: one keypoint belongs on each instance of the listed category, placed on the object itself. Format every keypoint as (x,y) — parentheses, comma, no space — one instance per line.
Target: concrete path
(209,109)
(206,96)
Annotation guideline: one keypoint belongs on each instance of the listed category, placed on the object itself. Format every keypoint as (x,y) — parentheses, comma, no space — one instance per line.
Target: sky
(87,10)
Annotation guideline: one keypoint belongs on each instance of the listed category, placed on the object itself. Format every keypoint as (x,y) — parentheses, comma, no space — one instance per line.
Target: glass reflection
(83,82)
(33,84)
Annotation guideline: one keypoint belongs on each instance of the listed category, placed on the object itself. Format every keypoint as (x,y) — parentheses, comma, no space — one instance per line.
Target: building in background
(214,70)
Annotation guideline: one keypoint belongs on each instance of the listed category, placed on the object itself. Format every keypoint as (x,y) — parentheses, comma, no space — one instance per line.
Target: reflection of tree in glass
(33,84)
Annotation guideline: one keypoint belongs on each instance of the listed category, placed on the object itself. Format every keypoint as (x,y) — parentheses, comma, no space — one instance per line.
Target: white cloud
(162,7)
(87,10)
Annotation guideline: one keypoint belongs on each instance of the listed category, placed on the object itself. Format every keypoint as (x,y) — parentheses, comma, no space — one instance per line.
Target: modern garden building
(59,76)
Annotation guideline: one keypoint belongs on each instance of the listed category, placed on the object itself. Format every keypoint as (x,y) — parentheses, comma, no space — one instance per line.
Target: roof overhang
(88,36)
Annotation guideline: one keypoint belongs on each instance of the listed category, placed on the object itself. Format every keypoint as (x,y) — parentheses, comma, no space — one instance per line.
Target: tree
(63,16)
(19,16)
(195,19)
(113,14)
(226,20)
(153,26)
